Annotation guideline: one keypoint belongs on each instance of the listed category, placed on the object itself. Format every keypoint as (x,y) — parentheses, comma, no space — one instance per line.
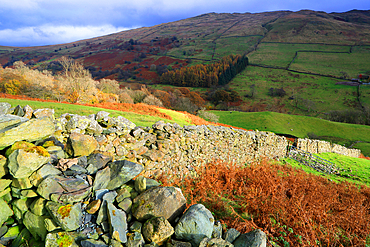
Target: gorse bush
(293,208)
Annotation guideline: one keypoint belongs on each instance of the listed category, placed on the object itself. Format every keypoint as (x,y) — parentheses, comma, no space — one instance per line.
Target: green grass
(357,170)
(61,108)
(298,126)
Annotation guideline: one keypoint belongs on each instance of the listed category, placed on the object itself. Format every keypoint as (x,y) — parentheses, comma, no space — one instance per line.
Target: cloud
(47,34)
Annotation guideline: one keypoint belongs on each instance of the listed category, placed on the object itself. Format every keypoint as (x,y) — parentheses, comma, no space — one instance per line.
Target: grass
(138,119)
(358,170)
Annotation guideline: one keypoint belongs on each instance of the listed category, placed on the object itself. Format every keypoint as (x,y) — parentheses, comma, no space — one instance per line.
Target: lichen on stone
(64,240)
(64,211)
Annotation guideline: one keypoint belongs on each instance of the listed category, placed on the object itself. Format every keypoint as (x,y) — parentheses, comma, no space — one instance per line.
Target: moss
(64,240)
(39,150)
(18,145)
(64,211)
(48,144)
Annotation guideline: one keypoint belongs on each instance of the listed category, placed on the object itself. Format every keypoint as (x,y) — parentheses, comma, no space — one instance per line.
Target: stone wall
(170,148)
(317,146)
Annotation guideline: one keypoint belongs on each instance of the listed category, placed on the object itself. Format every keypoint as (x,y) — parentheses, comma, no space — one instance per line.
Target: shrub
(124,97)
(152,100)
(209,116)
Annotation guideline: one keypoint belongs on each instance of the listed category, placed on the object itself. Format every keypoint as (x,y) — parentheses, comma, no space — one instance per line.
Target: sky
(47,22)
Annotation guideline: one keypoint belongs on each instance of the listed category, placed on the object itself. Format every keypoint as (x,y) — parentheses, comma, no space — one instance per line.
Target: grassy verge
(138,119)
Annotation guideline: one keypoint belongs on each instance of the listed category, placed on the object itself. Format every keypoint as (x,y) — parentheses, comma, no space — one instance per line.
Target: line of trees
(206,75)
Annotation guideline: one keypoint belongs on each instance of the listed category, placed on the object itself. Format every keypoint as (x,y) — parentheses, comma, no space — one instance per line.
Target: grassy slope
(138,119)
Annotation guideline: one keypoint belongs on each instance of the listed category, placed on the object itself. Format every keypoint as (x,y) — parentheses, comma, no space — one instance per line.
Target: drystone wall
(317,146)
(170,148)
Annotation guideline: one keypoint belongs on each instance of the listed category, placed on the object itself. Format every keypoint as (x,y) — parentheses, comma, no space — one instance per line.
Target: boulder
(81,145)
(231,234)
(195,224)
(157,230)
(29,130)
(168,202)
(215,242)
(256,238)
(23,162)
(97,161)
(102,179)
(9,121)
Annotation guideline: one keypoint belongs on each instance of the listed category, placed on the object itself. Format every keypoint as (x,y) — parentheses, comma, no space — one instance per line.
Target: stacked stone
(53,194)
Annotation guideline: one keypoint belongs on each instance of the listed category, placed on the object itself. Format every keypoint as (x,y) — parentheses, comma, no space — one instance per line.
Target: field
(299,126)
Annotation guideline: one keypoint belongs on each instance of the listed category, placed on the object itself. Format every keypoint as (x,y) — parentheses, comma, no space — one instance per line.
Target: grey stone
(125,205)
(5,211)
(69,217)
(157,230)
(195,224)
(135,239)
(122,171)
(168,202)
(93,243)
(216,242)
(96,162)
(10,121)
(4,183)
(30,130)
(176,243)
(69,239)
(117,219)
(42,173)
(102,115)
(140,184)
(110,196)
(102,179)
(80,145)
(46,112)
(3,230)
(35,224)
(231,234)
(23,163)
(51,225)
(217,230)
(136,226)
(38,207)
(4,107)
(124,192)
(11,234)
(151,183)
(27,111)
(100,193)
(255,238)
(3,167)
(18,111)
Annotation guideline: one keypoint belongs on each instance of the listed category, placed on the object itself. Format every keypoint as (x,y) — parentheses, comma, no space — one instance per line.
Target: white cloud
(48,34)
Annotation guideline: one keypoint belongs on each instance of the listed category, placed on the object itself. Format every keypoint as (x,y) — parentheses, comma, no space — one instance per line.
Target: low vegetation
(293,207)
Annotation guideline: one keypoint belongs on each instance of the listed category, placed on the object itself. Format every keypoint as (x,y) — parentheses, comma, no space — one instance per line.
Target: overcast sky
(44,22)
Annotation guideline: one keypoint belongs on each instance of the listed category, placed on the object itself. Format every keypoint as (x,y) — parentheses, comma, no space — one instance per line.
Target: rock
(175,243)
(140,184)
(19,145)
(27,111)
(35,224)
(4,183)
(42,173)
(23,162)
(3,167)
(21,183)
(4,107)
(80,145)
(195,224)
(135,239)
(168,202)
(151,183)
(10,121)
(256,238)
(5,211)
(102,115)
(125,205)
(93,243)
(29,130)
(118,223)
(217,230)
(124,192)
(102,179)
(68,189)
(96,162)
(18,111)
(51,225)
(231,235)
(63,239)
(57,151)
(122,171)
(216,242)
(136,226)
(23,239)
(93,206)
(37,207)
(40,113)
(11,234)
(69,217)
(3,230)
(157,230)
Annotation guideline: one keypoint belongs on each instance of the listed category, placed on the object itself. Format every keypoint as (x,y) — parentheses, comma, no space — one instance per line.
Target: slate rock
(217,230)
(3,167)
(168,202)
(140,184)
(69,217)
(136,226)
(35,224)
(151,183)
(216,242)
(23,162)
(92,243)
(124,192)
(118,223)
(122,171)
(125,205)
(93,206)
(80,145)
(8,122)
(5,211)
(3,230)
(46,112)
(21,183)
(102,179)
(27,111)
(176,243)
(51,225)
(58,239)
(38,207)
(45,171)
(96,162)
(4,183)
(255,238)
(195,224)
(135,239)
(18,111)
(4,107)
(231,234)
(23,239)
(29,130)
(157,230)
(11,234)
